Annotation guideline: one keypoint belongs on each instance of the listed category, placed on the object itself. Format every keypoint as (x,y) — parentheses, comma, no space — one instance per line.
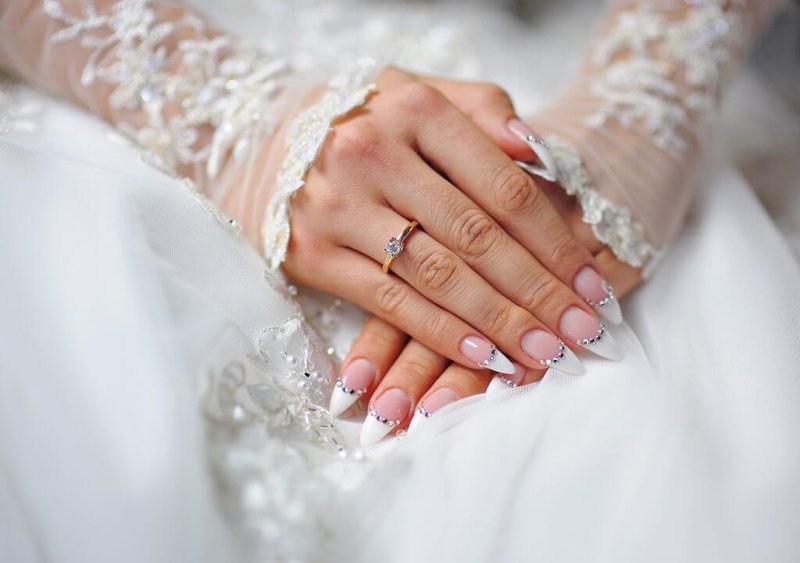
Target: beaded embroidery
(197,110)
(663,64)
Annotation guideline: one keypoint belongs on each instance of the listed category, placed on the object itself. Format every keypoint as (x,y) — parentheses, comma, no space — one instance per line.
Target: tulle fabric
(639,110)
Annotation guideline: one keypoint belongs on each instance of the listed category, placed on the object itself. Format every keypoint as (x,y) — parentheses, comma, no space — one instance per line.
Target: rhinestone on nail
(344,388)
(487,363)
(554,360)
(590,341)
(383,420)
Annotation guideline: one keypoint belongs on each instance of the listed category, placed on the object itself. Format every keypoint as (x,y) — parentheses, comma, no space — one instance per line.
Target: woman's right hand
(492,262)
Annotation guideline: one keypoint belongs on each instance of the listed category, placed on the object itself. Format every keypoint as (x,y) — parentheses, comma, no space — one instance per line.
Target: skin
(405,363)
(439,152)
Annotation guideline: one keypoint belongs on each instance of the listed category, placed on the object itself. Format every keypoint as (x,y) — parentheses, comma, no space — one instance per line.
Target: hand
(408,381)
(412,382)
(493,262)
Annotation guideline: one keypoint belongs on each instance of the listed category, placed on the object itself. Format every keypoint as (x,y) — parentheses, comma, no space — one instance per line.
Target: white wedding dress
(149,369)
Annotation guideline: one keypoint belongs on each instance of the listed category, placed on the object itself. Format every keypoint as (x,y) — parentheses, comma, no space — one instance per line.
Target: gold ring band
(396,245)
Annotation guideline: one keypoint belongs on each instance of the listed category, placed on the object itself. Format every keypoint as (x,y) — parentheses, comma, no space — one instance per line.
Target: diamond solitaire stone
(393,248)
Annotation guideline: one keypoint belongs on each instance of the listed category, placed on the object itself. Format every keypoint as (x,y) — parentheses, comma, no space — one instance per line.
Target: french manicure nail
(386,413)
(539,147)
(435,401)
(551,352)
(505,382)
(354,382)
(588,332)
(598,294)
(486,355)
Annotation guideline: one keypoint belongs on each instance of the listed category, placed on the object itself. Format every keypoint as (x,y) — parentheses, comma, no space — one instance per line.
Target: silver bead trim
(595,339)
(383,420)
(603,302)
(423,411)
(509,382)
(488,362)
(554,360)
(347,390)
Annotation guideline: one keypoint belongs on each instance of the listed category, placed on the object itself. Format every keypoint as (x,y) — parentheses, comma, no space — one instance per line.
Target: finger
(454,145)
(458,224)
(454,384)
(623,277)
(361,280)
(446,280)
(490,108)
(375,349)
(404,384)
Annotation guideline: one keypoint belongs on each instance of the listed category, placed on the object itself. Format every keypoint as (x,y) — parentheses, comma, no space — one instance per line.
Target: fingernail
(551,352)
(354,382)
(505,382)
(588,332)
(598,294)
(386,413)
(435,401)
(484,353)
(539,147)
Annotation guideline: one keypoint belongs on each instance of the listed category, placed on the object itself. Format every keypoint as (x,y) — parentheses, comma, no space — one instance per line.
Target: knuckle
(513,191)
(437,270)
(415,367)
(544,290)
(390,296)
(475,233)
(493,93)
(356,141)
(564,250)
(420,99)
(498,319)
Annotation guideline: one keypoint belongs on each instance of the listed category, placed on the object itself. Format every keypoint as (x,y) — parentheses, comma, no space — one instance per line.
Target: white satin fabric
(120,293)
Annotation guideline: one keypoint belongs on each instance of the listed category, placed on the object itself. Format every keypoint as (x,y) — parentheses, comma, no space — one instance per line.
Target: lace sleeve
(200,103)
(629,131)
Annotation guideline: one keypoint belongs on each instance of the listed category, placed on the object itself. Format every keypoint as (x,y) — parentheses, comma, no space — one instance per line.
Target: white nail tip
(500,363)
(498,384)
(373,430)
(417,422)
(569,363)
(605,347)
(536,170)
(539,147)
(611,311)
(341,401)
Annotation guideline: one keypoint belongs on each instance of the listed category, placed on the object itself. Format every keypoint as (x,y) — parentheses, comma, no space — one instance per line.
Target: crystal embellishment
(394,247)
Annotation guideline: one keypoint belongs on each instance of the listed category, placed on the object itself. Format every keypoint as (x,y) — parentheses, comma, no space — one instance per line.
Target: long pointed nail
(356,379)
(506,382)
(386,413)
(551,352)
(539,147)
(587,332)
(435,401)
(486,355)
(598,294)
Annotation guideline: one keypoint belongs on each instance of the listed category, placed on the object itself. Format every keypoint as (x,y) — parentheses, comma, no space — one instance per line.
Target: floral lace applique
(662,65)
(611,224)
(199,108)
